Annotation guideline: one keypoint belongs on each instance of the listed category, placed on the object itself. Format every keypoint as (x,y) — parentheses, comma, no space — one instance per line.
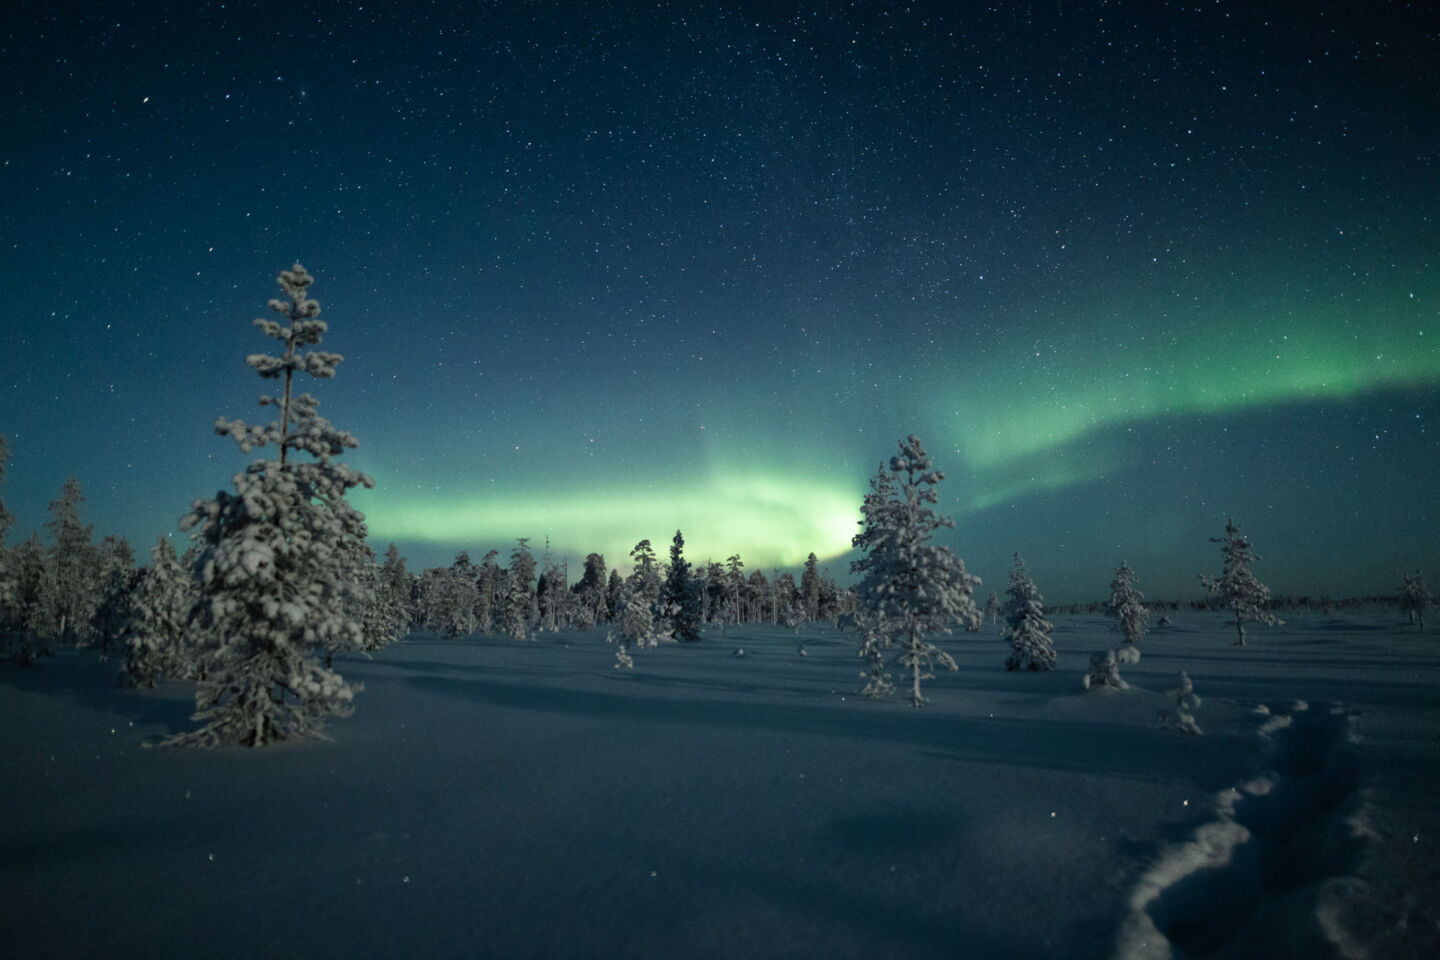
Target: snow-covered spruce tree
(679,598)
(1415,598)
(645,575)
(1182,700)
(1127,607)
(634,625)
(910,589)
(1236,587)
(552,593)
(810,589)
(759,597)
(395,589)
(367,601)
(74,567)
(1026,628)
(275,561)
(7,582)
(992,608)
(590,592)
(155,638)
(29,618)
(521,611)
(490,582)
(118,579)
(456,597)
(873,643)
(786,601)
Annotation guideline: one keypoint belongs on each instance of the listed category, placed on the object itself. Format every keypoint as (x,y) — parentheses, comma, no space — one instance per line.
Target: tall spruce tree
(1236,587)
(680,596)
(7,575)
(29,619)
(275,568)
(910,588)
(395,587)
(117,583)
(74,567)
(521,610)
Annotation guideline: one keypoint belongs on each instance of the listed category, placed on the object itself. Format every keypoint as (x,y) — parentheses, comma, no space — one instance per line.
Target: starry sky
(599,271)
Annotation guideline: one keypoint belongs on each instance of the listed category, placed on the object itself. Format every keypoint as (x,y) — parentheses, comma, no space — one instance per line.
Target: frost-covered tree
(455,599)
(1026,628)
(680,596)
(1104,672)
(614,594)
(645,574)
(155,638)
(28,621)
(118,579)
(873,644)
(7,576)
(490,584)
(1415,598)
(590,602)
(74,568)
(733,594)
(552,592)
(367,601)
(275,560)
(1182,701)
(7,519)
(521,611)
(786,601)
(910,588)
(634,622)
(395,591)
(810,589)
(1126,605)
(760,598)
(1236,587)
(992,607)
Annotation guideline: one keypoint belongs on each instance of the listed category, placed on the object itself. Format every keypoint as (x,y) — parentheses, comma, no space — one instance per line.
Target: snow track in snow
(1253,878)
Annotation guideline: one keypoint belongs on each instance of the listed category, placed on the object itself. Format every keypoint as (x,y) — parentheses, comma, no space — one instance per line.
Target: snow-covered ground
(497,799)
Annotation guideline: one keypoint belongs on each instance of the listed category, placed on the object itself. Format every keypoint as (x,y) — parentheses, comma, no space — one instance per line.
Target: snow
(498,799)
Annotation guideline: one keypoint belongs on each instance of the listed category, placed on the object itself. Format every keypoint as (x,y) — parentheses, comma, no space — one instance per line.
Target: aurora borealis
(600,272)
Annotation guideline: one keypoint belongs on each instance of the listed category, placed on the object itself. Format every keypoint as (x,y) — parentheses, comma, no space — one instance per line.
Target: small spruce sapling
(1181,701)
(1127,607)
(1026,628)
(1236,587)
(1104,672)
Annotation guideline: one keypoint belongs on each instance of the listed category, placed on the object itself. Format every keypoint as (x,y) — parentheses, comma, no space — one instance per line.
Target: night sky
(602,270)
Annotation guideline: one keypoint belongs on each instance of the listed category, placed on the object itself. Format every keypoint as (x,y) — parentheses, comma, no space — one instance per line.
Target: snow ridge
(1259,876)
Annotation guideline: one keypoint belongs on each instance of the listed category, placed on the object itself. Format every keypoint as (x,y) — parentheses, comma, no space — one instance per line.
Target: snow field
(499,799)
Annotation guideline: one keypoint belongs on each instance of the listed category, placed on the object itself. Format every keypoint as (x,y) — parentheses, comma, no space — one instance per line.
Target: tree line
(279,577)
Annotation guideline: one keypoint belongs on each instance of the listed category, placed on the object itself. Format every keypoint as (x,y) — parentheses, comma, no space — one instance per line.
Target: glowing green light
(769,520)
(1002,417)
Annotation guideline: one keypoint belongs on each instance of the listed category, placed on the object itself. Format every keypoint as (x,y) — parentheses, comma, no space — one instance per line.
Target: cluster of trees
(526,596)
(71,591)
